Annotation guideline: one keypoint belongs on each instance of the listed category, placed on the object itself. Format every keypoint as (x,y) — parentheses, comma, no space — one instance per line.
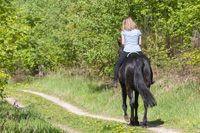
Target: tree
(93,29)
(12,31)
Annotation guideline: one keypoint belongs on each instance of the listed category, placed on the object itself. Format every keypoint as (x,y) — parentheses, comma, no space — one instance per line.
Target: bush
(13,32)
(3,81)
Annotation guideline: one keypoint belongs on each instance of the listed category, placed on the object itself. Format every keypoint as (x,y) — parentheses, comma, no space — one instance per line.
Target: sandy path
(14,102)
(78,111)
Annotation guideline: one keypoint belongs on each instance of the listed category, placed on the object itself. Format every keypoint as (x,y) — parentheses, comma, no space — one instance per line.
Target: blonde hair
(128,24)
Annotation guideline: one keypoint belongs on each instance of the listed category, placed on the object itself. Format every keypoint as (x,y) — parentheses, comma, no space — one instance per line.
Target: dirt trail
(78,111)
(14,102)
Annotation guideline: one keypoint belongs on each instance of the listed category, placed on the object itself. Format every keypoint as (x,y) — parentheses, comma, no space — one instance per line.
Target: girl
(131,39)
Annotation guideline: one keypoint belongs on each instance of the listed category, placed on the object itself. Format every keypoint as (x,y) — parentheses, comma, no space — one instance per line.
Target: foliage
(3,81)
(193,58)
(13,31)
(94,24)
(168,19)
(157,51)
(43,46)
(94,29)
(84,33)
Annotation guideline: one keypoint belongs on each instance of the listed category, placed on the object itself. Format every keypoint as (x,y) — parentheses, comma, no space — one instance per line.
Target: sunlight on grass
(179,107)
(13,119)
(93,96)
(57,114)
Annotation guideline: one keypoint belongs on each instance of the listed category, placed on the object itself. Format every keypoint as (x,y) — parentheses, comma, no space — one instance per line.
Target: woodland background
(55,34)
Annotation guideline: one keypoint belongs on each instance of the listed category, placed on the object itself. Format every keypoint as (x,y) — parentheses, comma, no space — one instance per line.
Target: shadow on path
(155,123)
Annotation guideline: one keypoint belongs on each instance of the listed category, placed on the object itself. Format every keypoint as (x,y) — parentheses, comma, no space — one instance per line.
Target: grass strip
(56,114)
(17,120)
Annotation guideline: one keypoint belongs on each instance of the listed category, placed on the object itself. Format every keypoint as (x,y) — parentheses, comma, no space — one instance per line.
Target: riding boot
(113,84)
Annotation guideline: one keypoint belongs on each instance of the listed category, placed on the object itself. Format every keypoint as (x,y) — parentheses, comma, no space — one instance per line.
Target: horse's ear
(119,43)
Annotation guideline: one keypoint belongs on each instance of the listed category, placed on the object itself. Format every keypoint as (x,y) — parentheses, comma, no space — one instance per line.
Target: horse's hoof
(127,118)
(144,126)
(137,123)
(131,124)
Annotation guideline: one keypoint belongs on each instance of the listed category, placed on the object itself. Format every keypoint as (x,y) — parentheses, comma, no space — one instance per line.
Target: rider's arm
(140,40)
(123,41)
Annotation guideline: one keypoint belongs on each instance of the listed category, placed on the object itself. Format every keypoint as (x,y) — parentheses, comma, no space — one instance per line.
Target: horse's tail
(140,85)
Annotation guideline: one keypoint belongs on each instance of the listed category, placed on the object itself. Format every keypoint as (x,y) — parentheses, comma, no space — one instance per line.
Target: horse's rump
(136,73)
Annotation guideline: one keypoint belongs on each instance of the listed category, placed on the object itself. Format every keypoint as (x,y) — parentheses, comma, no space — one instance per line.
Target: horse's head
(120,48)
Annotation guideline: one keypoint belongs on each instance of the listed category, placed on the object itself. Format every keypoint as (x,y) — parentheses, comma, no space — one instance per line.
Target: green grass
(80,91)
(14,120)
(56,114)
(178,107)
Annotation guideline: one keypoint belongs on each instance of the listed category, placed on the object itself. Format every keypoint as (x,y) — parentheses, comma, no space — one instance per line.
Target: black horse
(135,74)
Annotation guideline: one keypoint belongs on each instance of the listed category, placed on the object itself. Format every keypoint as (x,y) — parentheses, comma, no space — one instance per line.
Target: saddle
(136,53)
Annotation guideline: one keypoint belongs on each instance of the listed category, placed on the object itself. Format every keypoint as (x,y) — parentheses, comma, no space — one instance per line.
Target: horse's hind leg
(124,105)
(136,108)
(144,125)
(132,104)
